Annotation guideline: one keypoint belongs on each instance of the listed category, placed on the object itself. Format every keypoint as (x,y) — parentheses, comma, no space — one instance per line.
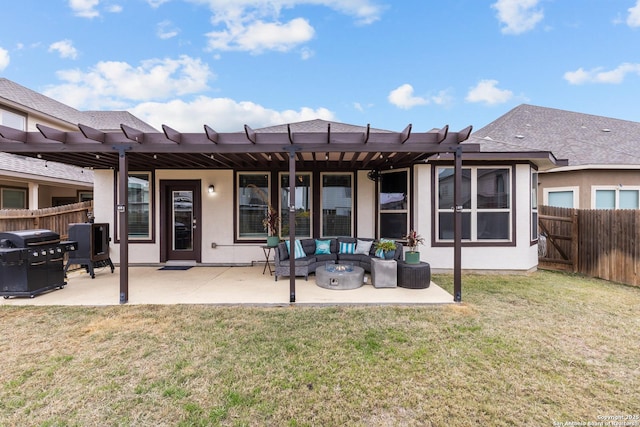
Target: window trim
(152,209)
(473,211)
(22,190)
(311,204)
(574,189)
(534,178)
(406,211)
(617,189)
(11,111)
(236,198)
(352,220)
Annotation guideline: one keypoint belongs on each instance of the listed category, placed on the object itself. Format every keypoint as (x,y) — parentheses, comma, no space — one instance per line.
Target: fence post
(575,244)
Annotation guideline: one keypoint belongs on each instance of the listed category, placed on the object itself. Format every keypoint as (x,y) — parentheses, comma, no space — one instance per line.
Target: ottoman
(414,276)
(384,273)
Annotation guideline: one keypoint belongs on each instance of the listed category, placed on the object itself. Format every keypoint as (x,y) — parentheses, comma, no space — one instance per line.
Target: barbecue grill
(31,262)
(92,248)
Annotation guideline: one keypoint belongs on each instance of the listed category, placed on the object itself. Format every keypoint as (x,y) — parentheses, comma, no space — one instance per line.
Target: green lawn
(520,350)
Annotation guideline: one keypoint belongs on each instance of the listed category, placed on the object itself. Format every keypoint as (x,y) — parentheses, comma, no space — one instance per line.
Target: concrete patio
(220,286)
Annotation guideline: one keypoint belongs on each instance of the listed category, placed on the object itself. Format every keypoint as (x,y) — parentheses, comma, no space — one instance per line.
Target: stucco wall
(584,180)
(217,222)
(522,257)
(217,217)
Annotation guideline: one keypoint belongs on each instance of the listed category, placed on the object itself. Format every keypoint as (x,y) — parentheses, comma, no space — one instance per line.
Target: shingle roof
(14,93)
(103,120)
(18,94)
(319,125)
(583,139)
(111,120)
(45,170)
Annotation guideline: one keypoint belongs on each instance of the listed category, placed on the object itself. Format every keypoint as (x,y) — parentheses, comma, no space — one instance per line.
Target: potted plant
(271,223)
(412,256)
(385,248)
(271,220)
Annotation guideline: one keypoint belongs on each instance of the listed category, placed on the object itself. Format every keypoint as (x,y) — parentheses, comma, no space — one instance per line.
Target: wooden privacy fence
(55,219)
(594,242)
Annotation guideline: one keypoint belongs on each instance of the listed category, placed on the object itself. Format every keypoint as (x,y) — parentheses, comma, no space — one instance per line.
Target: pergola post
(123,220)
(292,223)
(457,226)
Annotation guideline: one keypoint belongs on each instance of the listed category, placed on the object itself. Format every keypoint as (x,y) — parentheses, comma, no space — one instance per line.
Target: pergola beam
(172,134)
(133,134)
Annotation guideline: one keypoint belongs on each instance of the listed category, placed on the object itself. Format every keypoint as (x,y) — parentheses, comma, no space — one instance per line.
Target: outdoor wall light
(211,189)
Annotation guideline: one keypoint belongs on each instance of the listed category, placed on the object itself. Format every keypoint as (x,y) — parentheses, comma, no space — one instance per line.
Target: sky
(226,63)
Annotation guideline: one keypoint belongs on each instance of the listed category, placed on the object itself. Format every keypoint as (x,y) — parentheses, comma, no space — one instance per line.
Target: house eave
(617,167)
(544,160)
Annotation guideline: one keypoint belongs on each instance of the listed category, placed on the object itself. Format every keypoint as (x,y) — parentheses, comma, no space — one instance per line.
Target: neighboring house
(201,196)
(32,183)
(603,170)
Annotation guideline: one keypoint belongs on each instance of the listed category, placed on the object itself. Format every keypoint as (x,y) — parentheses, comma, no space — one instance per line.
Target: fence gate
(595,242)
(558,243)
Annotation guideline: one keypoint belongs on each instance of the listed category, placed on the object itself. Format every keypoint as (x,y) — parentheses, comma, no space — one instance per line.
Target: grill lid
(26,238)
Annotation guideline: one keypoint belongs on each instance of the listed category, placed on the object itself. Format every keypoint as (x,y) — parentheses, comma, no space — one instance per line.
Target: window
(561,197)
(139,201)
(13,119)
(337,204)
(253,195)
(85,196)
(14,198)
(394,204)
(615,198)
(486,204)
(534,205)
(303,204)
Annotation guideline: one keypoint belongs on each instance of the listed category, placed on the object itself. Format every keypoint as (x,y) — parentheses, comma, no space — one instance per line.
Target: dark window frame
(152,208)
(475,243)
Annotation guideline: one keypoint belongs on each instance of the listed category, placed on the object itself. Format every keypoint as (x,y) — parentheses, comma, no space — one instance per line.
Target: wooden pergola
(291,149)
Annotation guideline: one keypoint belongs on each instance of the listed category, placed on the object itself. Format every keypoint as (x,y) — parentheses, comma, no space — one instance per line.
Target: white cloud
(260,36)
(598,75)
(111,84)
(633,20)
(442,98)
(306,53)
(256,25)
(166,30)
(577,77)
(114,8)
(64,48)
(487,92)
(518,16)
(84,8)
(4,59)
(156,3)
(222,114)
(402,97)
(87,8)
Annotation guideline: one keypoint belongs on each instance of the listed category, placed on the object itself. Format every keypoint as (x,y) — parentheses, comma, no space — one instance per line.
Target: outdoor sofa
(315,255)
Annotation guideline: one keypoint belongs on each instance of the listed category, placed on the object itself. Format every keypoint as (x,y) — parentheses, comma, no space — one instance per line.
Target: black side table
(267,255)
(414,276)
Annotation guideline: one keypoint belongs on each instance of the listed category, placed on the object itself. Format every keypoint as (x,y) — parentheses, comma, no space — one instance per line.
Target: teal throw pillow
(298,252)
(347,248)
(323,247)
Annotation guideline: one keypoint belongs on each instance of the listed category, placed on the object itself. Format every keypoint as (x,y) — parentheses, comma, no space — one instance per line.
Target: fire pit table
(340,276)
